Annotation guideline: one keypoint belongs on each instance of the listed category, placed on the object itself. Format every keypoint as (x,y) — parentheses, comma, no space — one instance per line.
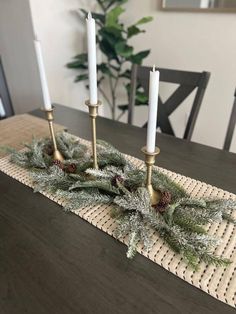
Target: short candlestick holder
(93,112)
(150,161)
(49,116)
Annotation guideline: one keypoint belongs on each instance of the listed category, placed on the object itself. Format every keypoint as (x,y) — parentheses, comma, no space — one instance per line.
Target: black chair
(231,126)
(6,104)
(188,82)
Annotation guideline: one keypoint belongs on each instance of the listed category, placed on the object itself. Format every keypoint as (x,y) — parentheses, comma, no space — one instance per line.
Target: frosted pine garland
(178,218)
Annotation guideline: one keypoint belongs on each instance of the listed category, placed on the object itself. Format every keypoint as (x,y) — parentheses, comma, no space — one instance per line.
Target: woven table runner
(218,282)
(20,129)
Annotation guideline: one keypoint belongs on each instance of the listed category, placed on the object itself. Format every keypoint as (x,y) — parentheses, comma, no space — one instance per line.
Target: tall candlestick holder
(93,112)
(150,161)
(49,116)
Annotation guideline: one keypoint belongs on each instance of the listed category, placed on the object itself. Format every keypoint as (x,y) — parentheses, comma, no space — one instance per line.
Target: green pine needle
(188,225)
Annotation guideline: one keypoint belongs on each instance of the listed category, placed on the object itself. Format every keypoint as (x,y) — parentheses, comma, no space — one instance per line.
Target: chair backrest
(188,82)
(6,105)
(231,126)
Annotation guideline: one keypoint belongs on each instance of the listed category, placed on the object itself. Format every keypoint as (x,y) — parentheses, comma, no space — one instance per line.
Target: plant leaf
(76,65)
(141,97)
(144,20)
(112,17)
(82,57)
(80,62)
(134,30)
(109,37)
(138,58)
(104,68)
(81,77)
(123,107)
(108,50)
(111,33)
(123,49)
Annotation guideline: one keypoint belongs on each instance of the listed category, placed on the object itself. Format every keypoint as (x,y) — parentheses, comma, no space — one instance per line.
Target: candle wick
(90,16)
(154,68)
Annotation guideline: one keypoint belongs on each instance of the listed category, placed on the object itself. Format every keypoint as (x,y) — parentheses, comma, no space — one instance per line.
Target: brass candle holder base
(93,112)
(49,116)
(150,161)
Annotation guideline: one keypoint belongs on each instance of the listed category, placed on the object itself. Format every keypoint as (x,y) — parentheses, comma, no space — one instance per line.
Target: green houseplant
(113,39)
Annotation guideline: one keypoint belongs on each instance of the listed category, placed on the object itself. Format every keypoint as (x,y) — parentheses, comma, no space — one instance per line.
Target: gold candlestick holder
(93,112)
(49,116)
(150,161)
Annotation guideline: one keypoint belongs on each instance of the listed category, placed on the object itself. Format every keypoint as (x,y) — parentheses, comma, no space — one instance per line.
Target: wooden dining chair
(5,99)
(231,126)
(187,81)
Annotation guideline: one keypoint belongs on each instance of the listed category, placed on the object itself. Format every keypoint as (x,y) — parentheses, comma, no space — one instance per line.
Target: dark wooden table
(56,263)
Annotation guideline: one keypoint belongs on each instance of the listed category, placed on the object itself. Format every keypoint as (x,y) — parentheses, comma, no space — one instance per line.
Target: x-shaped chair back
(188,82)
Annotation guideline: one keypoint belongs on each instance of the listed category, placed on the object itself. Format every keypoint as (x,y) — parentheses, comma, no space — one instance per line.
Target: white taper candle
(92,59)
(152,110)
(43,78)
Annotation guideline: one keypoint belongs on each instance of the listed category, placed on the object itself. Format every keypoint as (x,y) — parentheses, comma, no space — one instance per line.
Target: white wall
(17,51)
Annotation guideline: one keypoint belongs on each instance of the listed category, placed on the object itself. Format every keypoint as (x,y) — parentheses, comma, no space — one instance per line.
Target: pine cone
(164,202)
(71,168)
(48,150)
(166,197)
(117,179)
(58,163)
(161,207)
